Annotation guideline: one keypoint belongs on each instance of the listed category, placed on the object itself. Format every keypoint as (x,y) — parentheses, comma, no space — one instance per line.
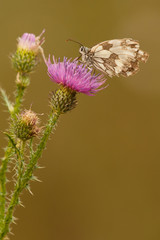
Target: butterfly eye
(81,49)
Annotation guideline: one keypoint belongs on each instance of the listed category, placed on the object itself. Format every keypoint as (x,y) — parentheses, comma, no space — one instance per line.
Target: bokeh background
(102,165)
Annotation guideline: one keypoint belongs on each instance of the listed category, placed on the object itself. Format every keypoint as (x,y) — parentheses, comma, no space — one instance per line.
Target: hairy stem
(3,170)
(15,197)
(34,158)
(8,153)
(23,179)
(18,101)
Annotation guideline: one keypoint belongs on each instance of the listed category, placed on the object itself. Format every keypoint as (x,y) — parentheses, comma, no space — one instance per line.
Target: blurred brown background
(102,165)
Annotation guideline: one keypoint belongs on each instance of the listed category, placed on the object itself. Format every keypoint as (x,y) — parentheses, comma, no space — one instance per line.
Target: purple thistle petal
(30,42)
(75,76)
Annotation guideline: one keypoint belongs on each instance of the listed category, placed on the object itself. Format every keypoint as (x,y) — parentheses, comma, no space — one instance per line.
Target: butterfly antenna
(74,41)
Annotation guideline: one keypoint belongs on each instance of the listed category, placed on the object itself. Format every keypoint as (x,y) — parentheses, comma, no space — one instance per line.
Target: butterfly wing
(118,57)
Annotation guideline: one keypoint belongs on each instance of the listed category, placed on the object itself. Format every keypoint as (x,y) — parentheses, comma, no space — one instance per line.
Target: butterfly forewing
(118,57)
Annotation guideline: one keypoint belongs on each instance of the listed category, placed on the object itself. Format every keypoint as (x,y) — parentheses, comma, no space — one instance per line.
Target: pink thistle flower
(30,42)
(75,76)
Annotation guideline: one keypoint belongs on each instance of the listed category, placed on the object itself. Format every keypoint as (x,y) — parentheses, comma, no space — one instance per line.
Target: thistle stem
(18,101)
(3,170)
(22,83)
(15,197)
(33,161)
(8,153)
(23,178)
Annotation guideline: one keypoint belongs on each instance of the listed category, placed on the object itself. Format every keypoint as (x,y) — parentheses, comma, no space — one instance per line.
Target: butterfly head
(83,50)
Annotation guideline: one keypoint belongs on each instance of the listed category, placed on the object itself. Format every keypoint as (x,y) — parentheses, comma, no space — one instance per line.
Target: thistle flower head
(30,42)
(75,76)
(26,125)
(25,58)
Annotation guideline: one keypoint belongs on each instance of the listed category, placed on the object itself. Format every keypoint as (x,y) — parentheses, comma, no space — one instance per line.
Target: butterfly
(114,57)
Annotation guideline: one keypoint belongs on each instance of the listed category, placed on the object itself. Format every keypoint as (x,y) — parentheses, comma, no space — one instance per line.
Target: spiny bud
(25,58)
(24,61)
(26,125)
(63,100)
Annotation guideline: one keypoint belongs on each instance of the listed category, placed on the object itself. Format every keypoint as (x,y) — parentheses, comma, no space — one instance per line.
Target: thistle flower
(74,76)
(30,42)
(26,125)
(25,58)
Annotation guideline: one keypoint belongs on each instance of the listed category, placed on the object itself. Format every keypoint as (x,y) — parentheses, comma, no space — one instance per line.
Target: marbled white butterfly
(114,57)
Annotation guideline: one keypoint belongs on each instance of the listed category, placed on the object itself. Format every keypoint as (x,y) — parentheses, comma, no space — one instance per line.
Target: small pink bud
(30,42)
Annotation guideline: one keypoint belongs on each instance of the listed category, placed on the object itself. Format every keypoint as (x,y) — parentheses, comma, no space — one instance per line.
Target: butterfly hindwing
(118,57)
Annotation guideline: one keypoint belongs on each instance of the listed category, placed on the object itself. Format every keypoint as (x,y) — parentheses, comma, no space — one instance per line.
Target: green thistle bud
(63,100)
(26,125)
(24,61)
(25,58)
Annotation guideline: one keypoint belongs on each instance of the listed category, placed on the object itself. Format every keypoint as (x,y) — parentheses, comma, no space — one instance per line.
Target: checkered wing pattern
(118,57)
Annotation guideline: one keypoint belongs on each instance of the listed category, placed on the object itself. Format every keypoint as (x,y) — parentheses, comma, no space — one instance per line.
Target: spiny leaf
(6,100)
(29,190)
(12,142)
(34,178)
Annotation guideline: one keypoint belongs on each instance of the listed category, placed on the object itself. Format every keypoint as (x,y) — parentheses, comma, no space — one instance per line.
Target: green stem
(8,152)
(33,161)
(3,170)
(18,101)
(15,197)
(23,179)
(31,147)
(21,163)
